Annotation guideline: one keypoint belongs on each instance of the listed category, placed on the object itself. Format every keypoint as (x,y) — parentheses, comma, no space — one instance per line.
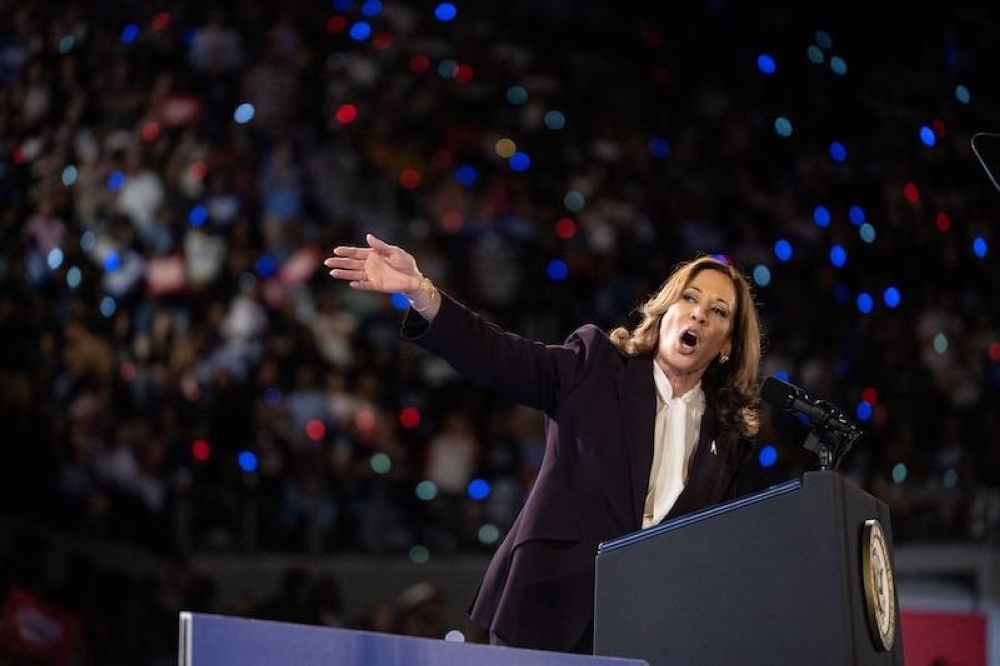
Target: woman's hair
(732,385)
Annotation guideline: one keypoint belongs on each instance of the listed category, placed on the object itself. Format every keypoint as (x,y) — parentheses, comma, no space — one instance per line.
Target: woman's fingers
(379,245)
(345,274)
(353,252)
(344,262)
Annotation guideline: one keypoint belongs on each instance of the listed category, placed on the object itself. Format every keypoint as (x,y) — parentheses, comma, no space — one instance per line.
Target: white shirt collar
(665,390)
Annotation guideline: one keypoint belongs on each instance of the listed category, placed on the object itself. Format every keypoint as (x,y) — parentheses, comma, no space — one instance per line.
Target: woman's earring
(723,357)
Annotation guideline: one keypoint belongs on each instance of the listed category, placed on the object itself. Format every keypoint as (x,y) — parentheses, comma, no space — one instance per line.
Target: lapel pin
(714,452)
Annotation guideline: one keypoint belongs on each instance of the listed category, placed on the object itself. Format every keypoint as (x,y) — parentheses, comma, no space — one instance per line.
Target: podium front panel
(770,579)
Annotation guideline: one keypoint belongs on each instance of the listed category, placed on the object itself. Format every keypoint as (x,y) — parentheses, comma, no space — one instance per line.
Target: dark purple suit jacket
(599,404)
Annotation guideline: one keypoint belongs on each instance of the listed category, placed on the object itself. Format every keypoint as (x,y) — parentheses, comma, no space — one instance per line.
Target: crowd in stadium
(181,375)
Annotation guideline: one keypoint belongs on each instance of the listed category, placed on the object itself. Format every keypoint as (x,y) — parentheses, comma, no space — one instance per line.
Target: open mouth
(689,340)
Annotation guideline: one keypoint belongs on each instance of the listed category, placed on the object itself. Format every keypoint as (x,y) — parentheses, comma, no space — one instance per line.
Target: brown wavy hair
(732,386)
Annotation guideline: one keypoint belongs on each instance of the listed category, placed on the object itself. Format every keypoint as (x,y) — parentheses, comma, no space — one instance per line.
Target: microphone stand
(831,443)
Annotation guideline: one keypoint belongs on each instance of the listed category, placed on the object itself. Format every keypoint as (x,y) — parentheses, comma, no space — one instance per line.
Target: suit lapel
(706,469)
(638,402)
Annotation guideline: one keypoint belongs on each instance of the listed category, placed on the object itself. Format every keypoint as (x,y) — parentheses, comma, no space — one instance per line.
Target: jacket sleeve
(522,370)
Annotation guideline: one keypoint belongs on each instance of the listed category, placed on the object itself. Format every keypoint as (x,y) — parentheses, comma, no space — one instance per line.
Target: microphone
(820,413)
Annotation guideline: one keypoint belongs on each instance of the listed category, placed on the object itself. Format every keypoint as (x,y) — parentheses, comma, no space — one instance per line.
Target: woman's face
(698,326)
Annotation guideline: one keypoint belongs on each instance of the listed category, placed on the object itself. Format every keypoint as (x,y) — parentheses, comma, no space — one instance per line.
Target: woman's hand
(388,269)
(379,267)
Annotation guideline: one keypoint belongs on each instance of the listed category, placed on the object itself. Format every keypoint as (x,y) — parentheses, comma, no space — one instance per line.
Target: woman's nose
(697,314)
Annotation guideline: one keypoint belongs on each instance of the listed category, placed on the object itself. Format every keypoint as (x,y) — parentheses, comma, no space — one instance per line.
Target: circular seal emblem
(879,584)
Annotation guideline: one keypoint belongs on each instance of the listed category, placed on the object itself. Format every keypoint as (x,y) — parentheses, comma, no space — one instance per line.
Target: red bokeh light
(409,179)
(911,193)
(452,221)
(161,21)
(942,222)
(315,430)
(200,450)
(382,40)
(566,228)
(199,169)
(464,74)
(409,417)
(150,131)
(346,114)
(420,64)
(995,352)
(870,395)
(336,24)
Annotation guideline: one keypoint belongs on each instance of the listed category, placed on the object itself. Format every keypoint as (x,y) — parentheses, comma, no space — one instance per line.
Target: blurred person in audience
(642,425)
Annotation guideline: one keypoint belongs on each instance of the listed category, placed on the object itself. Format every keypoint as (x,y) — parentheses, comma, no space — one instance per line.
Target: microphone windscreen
(778,393)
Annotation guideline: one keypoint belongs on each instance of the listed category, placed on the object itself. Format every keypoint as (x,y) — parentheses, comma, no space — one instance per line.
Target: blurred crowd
(179,372)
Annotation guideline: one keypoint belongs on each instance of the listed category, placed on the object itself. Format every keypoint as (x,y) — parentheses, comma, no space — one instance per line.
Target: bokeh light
(768,456)
(766,64)
(783,250)
(783,126)
(478,489)
(557,270)
(247,461)
(838,256)
(244,113)
(761,275)
(445,12)
(821,216)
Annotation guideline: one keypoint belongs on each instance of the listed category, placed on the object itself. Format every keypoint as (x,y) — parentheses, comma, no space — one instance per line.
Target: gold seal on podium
(879,585)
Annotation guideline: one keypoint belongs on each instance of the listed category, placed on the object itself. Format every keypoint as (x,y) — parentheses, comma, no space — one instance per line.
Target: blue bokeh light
(927,136)
(557,270)
(466,175)
(479,489)
(129,33)
(360,31)
(856,215)
(658,147)
(198,216)
(838,151)
(266,266)
(766,64)
(783,250)
(112,262)
(891,297)
(838,255)
(248,462)
(768,456)
(762,275)
(519,161)
(400,302)
(371,8)
(244,113)
(821,216)
(555,120)
(445,12)
(865,303)
(116,181)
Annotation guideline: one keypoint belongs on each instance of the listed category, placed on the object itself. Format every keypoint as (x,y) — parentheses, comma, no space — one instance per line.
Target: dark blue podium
(798,574)
(215,640)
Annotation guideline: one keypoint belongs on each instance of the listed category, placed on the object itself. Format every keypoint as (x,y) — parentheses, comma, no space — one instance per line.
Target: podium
(801,573)
(217,640)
